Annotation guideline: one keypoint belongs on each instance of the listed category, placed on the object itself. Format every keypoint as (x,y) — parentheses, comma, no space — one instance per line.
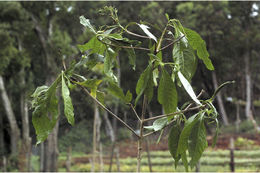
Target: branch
(134,34)
(135,112)
(187,109)
(126,47)
(174,113)
(106,109)
(178,39)
(150,133)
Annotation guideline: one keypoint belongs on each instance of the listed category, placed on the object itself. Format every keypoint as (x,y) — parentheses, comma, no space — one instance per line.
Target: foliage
(106,44)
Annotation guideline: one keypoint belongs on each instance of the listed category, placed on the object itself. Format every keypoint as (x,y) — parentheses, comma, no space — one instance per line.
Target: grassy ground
(211,161)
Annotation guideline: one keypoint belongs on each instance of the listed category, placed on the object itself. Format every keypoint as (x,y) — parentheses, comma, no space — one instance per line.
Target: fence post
(232,159)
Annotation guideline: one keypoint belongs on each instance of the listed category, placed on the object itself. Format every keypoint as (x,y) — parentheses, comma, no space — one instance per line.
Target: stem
(174,113)
(135,112)
(187,109)
(106,109)
(140,140)
(126,47)
(178,39)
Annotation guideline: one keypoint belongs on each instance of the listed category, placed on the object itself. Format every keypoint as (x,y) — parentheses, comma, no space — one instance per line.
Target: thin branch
(178,39)
(150,133)
(135,112)
(126,47)
(174,113)
(106,109)
(134,34)
(187,109)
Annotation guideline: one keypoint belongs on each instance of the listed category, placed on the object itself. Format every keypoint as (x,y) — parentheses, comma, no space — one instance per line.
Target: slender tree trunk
(15,132)
(51,145)
(110,132)
(2,144)
(248,83)
(25,152)
(219,100)
(68,161)
(99,144)
(237,117)
(94,137)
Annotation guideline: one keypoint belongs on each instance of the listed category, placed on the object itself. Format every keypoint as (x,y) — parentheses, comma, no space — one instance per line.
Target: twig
(106,109)
(126,47)
(187,109)
(135,112)
(134,34)
(150,133)
(140,140)
(178,39)
(174,113)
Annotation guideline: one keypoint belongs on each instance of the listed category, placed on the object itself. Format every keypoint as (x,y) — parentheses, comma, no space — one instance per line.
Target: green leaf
(155,76)
(85,22)
(188,88)
(128,97)
(94,45)
(197,43)
(108,63)
(160,123)
(173,140)
(143,82)
(185,161)
(149,90)
(90,83)
(116,91)
(68,107)
(147,32)
(167,94)
(198,141)
(101,97)
(131,57)
(186,60)
(45,113)
(184,136)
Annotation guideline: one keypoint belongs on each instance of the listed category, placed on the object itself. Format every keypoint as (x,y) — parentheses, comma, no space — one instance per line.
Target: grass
(211,161)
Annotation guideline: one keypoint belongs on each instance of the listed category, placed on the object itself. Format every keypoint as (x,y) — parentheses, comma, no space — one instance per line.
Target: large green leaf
(186,60)
(92,84)
(185,161)
(85,22)
(188,88)
(94,45)
(160,123)
(198,141)
(143,82)
(167,94)
(185,134)
(116,91)
(108,63)
(197,43)
(68,107)
(173,140)
(131,57)
(45,113)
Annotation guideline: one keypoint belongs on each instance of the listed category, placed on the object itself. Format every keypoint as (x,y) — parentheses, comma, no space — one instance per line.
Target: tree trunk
(219,100)
(94,137)
(50,161)
(51,151)
(248,84)
(25,152)
(15,132)
(110,132)
(2,144)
